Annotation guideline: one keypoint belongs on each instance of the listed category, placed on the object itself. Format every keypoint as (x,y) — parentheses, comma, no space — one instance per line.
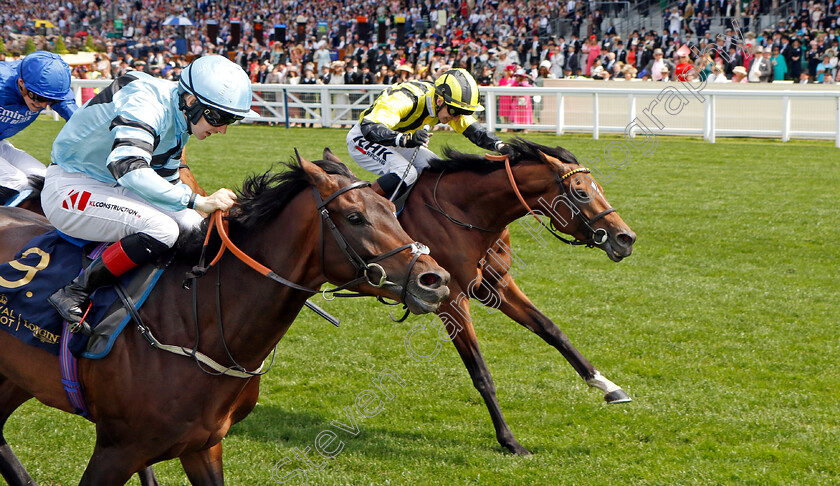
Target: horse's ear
(317,176)
(552,161)
(329,155)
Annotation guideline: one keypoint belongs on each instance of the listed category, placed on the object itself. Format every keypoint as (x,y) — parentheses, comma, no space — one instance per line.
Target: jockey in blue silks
(28,86)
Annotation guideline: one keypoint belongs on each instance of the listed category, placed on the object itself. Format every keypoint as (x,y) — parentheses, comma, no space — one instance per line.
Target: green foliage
(29,47)
(90,46)
(721,326)
(60,47)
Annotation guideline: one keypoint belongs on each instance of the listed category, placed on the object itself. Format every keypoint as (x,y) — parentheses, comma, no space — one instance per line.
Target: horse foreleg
(205,467)
(466,343)
(147,477)
(110,465)
(11,397)
(516,305)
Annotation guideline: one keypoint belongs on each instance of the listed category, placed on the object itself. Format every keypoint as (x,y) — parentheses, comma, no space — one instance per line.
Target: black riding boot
(72,301)
(133,250)
(6,195)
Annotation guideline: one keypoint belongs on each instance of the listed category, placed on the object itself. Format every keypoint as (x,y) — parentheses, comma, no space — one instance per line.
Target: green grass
(721,326)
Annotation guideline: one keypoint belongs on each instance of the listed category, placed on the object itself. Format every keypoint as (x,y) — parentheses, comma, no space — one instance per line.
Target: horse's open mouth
(614,254)
(420,306)
(420,300)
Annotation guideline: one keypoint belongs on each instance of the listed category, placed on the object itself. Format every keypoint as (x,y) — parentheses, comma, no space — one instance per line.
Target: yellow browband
(573,172)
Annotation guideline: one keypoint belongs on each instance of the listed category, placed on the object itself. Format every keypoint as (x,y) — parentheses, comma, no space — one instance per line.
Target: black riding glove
(504,148)
(416,139)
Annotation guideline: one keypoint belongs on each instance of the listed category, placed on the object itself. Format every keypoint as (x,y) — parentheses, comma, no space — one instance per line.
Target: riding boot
(378,189)
(72,300)
(7,194)
(387,184)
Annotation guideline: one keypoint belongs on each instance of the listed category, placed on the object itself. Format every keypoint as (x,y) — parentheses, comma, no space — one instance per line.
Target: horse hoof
(617,396)
(520,451)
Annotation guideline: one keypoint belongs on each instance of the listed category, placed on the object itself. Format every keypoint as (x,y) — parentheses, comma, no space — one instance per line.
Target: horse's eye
(355,218)
(581,195)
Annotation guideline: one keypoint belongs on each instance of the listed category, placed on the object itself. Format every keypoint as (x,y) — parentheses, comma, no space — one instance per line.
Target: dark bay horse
(149,405)
(461,208)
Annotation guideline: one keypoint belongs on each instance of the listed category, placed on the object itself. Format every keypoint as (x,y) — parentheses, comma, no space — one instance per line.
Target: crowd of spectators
(496,40)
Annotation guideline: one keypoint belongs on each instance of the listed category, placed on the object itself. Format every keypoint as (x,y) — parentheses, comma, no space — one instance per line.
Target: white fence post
(712,106)
(490,111)
(837,129)
(786,119)
(631,110)
(595,128)
(561,113)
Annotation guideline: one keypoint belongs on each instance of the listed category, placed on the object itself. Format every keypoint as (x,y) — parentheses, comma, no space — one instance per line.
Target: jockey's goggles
(218,118)
(38,98)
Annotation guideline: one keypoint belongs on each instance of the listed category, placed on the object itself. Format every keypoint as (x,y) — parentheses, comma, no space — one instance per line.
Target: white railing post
(595,127)
(490,111)
(326,107)
(837,129)
(786,119)
(712,101)
(561,113)
(631,111)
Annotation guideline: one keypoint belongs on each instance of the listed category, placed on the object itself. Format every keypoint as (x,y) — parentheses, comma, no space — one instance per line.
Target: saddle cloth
(47,263)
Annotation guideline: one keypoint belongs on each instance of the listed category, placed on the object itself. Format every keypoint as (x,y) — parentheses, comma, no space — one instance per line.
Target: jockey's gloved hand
(416,139)
(222,199)
(504,148)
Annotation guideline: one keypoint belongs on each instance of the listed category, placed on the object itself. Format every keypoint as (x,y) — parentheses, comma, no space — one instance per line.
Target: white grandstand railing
(608,109)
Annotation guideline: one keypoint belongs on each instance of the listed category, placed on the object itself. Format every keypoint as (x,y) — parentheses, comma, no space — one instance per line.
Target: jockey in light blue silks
(28,86)
(115,176)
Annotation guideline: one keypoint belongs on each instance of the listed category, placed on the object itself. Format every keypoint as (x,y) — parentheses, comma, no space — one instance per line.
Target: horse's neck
(257,311)
(487,200)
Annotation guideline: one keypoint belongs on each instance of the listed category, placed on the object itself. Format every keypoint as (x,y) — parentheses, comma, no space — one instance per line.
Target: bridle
(597,236)
(363,268)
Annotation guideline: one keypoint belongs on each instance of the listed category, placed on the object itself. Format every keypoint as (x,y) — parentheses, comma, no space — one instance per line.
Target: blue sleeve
(155,189)
(66,108)
(129,163)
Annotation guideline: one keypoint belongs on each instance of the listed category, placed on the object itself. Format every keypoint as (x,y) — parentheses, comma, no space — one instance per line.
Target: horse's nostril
(626,239)
(430,280)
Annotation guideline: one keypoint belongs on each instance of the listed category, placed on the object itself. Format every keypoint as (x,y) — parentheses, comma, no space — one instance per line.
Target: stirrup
(82,326)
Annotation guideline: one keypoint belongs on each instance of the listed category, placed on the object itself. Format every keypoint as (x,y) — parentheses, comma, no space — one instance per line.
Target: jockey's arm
(66,107)
(476,133)
(129,163)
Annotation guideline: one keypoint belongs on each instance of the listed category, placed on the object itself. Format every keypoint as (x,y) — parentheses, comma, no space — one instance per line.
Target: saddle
(47,263)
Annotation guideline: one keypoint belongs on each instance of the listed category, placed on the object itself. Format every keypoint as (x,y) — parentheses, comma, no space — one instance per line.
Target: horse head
(367,244)
(576,204)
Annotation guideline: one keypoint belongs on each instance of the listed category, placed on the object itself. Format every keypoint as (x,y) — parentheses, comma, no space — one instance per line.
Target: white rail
(607,107)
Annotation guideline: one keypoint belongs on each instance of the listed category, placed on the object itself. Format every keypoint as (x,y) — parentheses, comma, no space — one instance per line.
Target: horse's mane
(522,150)
(263,196)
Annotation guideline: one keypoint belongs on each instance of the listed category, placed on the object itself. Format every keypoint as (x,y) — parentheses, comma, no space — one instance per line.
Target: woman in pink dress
(523,113)
(593,51)
(506,102)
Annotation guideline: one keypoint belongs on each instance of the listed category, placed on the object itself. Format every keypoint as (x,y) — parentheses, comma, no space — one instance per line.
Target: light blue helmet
(218,82)
(45,74)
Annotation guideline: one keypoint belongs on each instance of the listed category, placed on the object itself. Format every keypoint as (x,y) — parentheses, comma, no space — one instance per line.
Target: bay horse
(462,206)
(149,405)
